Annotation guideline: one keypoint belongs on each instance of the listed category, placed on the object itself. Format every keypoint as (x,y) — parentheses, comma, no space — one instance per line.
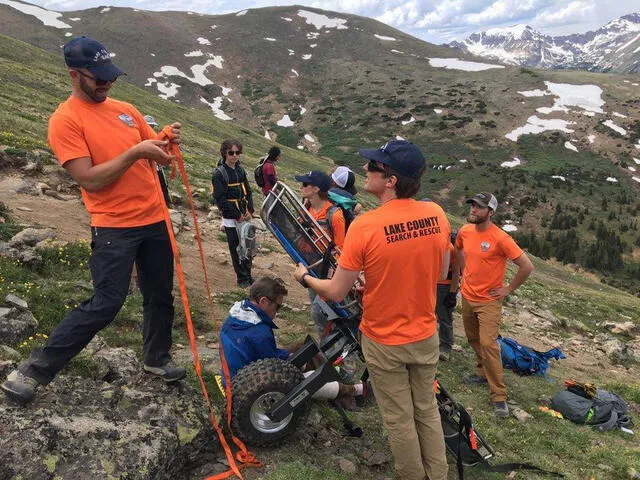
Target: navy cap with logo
(316,178)
(87,52)
(403,156)
(484,199)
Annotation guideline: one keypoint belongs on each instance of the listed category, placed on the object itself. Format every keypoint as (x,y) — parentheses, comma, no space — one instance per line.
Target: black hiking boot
(19,387)
(474,380)
(169,372)
(501,409)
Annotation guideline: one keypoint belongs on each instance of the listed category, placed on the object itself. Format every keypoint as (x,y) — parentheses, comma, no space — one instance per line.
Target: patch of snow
(241,13)
(631,169)
(295,73)
(534,93)
(197,71)
(322,21)
(407,122)
(302,110)
(266,135)
(398,137)
(509,228)
(203,41)
(636,179)
(559,177)
(457,64)
(285,121)
(587,97)
(167,90)
(269,39)
(591,138)
(47,17)
(382,37)
(68,34)
(291,52)
(287,19)
(213,27)
(437,110)
(226,91)
(306,57)
(629,43)
(300,147)
(635,84)
(195,53)
(150,81)
(309,138)
(397,51)
(620,115)
(215,107)
(538,125)
(637,160)
(74,19)
(312,35)
(570,146)
(462,161)
(588,114)
(105,10)
(612,180)
(514,163)
(614,127)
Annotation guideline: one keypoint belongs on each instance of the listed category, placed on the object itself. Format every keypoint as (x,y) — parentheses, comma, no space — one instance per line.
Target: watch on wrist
(303,281)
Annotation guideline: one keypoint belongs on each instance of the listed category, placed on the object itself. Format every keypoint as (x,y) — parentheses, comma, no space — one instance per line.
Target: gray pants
(445,319)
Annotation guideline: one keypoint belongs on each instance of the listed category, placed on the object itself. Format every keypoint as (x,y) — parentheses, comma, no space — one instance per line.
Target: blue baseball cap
(87,52)
(316,178)
(404,157)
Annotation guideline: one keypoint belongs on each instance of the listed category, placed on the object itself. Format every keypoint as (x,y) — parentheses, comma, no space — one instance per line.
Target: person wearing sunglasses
(111,152)
(403,248)
(247,336)
(232,195)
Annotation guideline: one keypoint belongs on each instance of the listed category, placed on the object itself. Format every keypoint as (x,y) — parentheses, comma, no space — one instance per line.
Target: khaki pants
(482,327)
(402,377)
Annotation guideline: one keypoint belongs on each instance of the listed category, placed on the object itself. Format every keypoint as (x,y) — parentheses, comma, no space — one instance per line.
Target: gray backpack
(248,243)
(603,412)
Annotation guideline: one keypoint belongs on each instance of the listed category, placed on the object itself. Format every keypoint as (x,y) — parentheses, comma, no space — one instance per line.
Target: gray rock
(143,430)
(15,326)
(30,236)
(8,353)
(377,459)
(15,301)
(29,257)
(347,466)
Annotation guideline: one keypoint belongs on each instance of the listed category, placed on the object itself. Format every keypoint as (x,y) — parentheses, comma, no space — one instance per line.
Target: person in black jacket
(232,195)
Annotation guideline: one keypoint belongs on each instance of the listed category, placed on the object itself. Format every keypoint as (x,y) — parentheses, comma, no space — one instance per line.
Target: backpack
(345,202)
(525,360)
(601,410)
(247,242)
(225,176)
(257,172)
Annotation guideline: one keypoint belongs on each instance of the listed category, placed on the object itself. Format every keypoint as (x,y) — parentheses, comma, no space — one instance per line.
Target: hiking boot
(444,356)
(19,387)
(168,372)
(501,409)
(367,397)
(474,380)
(245,284)
(348,402)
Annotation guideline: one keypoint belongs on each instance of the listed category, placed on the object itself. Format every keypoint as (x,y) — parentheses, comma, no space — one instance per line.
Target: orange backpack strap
(244,456)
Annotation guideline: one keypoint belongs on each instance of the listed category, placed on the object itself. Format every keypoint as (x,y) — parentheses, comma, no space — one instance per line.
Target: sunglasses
(373,167)
(305,184)
(98,81)
(233,153)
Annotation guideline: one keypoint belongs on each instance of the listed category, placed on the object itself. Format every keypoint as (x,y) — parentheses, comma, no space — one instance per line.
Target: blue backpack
(525,360)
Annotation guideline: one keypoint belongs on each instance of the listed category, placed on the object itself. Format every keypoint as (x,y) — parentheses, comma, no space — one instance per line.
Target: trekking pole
(352,429)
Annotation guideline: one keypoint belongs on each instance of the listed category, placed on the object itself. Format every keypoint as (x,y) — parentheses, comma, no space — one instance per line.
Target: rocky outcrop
(118,423)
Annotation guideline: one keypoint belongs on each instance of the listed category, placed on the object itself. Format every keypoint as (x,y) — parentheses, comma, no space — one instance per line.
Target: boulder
(29,237)
(141,429)
(15,326)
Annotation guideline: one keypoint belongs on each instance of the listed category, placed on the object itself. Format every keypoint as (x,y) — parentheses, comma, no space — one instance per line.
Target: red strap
(244,456)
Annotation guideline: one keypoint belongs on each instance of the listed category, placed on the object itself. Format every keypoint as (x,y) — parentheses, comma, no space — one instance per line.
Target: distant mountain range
(613,48)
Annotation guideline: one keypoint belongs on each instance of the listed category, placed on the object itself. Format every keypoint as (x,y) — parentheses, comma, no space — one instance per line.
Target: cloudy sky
(436,21)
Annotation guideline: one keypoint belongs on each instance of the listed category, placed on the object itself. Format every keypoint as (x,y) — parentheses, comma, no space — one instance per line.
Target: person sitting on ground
(269,175)
(247,336)
(314,190)
(343,190)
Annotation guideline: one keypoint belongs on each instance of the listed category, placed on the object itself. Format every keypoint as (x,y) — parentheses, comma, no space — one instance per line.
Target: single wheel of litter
(256,389)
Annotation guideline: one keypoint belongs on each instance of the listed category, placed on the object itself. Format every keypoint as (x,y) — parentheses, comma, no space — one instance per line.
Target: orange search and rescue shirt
(338,225)
(400,246)
(102,131)
(485,260)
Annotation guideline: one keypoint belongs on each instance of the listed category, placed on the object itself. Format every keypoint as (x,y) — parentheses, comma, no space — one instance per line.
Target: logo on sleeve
(485,246)
(128,120)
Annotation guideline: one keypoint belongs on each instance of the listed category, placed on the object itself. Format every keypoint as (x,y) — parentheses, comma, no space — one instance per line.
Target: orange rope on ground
(244,456)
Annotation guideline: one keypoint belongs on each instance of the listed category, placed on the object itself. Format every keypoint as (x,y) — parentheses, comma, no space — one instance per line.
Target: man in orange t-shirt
(482,250)
(402,246)
(109,149)
(314,188)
